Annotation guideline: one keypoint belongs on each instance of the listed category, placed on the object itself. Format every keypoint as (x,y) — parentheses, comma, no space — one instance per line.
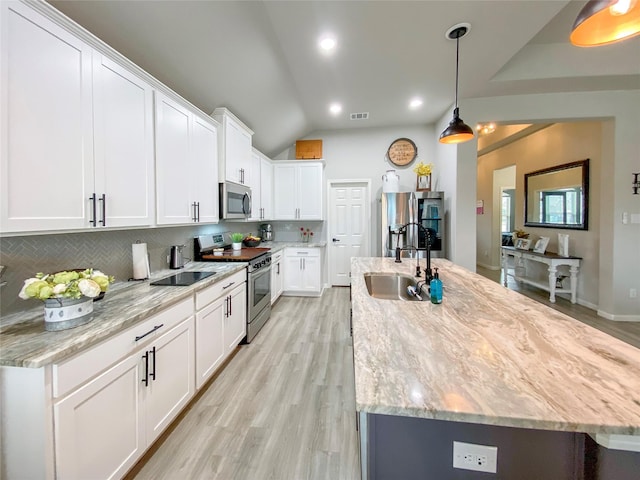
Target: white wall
(619,250)
(491,182)
(361,153)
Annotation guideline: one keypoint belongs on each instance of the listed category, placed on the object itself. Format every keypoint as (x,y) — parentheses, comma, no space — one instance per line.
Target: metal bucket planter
(64,313)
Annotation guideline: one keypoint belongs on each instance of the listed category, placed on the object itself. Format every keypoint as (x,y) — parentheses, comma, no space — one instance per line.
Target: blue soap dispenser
(436,288)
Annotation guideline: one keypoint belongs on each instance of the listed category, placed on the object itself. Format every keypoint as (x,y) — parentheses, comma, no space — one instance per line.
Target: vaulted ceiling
(260,58)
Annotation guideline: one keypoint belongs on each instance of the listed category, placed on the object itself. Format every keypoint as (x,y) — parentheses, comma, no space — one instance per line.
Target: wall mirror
(558,197)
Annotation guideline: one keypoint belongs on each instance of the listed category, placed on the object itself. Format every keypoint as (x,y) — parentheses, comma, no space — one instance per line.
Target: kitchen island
(489,365)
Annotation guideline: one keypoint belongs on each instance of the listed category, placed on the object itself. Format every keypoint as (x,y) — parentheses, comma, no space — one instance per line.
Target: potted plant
(67,296)
(236,240)
(423,172)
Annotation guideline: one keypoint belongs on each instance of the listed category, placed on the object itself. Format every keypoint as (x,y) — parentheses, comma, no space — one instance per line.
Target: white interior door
(349,227)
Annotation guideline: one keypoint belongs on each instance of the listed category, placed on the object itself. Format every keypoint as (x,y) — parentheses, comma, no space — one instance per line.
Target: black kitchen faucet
(427,271)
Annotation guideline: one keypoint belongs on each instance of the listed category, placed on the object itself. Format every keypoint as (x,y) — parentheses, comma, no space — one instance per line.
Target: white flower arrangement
(74,284)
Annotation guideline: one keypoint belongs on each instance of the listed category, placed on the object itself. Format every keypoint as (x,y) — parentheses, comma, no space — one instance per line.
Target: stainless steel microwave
(235,201)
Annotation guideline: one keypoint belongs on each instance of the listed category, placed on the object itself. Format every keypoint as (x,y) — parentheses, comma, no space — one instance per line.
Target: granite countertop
(277,246)
(488,355)
(24,342)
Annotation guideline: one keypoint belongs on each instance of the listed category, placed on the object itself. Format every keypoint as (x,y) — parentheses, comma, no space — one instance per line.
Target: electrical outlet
(633,293)
(168,259)
(480,458)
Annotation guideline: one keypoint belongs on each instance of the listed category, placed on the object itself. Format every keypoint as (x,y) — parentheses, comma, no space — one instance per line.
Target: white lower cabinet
(221,323)
(104,425)
(302,271)
(99,430)
(94,415)
(277,276)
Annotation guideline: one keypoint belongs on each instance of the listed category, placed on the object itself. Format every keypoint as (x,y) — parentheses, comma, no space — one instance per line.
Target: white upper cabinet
(78,129)
(186,165)
(173,175)
(45,124)
(234,148)
(298,190)
(124,163)
(266,188)
(254,183)
(261,183)
(285,197)
(204,150)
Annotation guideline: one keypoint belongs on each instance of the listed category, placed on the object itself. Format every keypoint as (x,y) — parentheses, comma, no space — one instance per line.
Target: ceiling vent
(360,116)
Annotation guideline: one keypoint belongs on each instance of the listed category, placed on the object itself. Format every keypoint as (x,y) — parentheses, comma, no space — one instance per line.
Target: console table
(553,260)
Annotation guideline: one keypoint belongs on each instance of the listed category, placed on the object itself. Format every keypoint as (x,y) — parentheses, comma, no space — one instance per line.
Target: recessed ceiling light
(327,43)
(485,128)
(335,108)
(415,103)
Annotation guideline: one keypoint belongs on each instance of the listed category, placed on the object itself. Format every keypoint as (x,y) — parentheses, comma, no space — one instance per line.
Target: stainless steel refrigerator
(424,208)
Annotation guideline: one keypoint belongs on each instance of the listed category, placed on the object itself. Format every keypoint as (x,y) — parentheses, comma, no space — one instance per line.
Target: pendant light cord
(457,63)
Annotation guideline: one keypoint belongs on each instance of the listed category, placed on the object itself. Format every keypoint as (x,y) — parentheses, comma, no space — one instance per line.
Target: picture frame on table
(541,245)
(523,243)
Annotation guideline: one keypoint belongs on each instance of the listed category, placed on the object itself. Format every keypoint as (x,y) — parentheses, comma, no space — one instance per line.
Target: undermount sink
(390,286)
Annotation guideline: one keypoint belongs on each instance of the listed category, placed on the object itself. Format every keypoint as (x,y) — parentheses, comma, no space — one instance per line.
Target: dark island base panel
(416,448)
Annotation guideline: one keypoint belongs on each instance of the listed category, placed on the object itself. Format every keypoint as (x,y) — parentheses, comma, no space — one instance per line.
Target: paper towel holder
(140,261)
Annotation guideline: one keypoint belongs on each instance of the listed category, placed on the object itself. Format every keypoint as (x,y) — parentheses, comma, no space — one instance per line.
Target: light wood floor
(283,408)
(626,331)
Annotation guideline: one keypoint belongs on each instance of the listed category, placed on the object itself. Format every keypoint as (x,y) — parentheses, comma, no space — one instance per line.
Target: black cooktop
(183,279)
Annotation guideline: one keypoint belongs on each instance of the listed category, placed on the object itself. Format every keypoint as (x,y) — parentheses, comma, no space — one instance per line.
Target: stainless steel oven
(235,200)
(258,294)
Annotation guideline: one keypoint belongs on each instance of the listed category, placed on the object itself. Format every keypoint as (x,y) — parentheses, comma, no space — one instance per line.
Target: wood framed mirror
(558,197)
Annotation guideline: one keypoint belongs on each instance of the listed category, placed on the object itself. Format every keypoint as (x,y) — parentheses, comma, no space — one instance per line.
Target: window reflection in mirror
(558,197)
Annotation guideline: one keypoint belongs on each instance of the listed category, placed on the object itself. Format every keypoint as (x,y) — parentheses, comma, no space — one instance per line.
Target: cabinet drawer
(306,252)
(73,372)
(276,256)
(215,291)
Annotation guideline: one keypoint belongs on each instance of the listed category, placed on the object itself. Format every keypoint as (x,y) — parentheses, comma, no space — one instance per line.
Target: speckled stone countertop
(488,355)
(24,342)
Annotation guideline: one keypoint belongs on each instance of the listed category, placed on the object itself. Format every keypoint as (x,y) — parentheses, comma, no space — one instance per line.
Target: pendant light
(457,131)
(601,22)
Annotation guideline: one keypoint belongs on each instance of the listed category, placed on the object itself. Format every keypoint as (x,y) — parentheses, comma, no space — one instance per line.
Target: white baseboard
(619,318)
(488,267)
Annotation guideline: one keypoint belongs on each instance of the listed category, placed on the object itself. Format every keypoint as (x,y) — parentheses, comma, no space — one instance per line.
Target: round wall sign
(402,152)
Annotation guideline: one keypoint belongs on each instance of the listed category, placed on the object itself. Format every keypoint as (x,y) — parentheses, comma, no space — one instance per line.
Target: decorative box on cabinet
(298,190)
(86,188)
(186,165)
(234,147)
(220,323)
(308,149)
(302,271)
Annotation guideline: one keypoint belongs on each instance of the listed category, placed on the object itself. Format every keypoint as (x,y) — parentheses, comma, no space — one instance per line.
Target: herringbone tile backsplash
(109,251)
